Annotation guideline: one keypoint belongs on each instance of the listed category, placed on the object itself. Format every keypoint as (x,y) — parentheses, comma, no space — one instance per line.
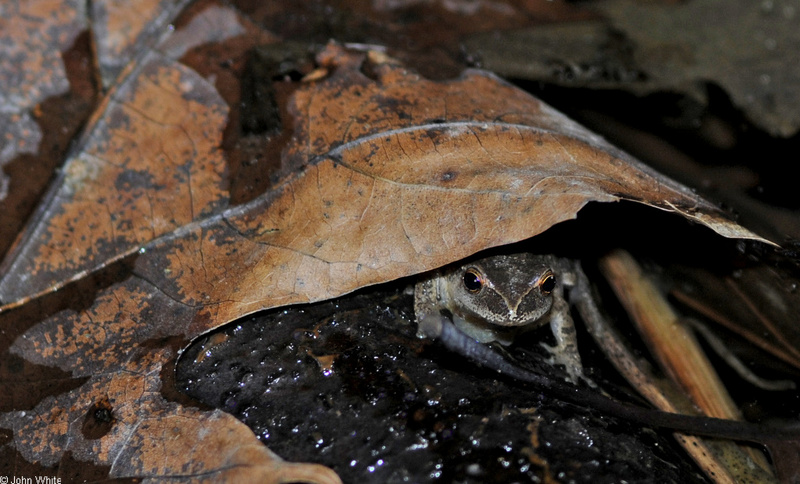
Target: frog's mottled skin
(515,295)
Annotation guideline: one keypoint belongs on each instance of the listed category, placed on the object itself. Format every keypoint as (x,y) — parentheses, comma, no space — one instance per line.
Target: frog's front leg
(427,301)
(565,351)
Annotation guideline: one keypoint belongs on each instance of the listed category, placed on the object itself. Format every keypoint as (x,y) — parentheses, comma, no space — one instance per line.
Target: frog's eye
(473,280)
(547,282)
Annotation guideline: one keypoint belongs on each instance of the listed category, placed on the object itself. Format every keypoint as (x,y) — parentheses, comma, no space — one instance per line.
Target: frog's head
(510,290)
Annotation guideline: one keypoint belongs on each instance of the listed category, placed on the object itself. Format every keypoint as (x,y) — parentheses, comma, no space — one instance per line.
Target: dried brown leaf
(117,350)
(647,47)
(33,34)
(149,166)
(124,30)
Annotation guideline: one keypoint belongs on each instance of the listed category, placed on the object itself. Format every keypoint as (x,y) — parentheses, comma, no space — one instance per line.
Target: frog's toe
(570,362)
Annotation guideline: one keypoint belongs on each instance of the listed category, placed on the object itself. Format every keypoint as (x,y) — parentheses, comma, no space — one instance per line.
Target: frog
(495,298)
(498,297)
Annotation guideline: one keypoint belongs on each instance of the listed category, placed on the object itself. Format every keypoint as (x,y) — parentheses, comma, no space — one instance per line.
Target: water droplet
(246,378)
(229,402)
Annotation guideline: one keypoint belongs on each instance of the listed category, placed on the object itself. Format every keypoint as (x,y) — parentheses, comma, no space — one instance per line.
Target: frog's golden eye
(473,280)
(547,282)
